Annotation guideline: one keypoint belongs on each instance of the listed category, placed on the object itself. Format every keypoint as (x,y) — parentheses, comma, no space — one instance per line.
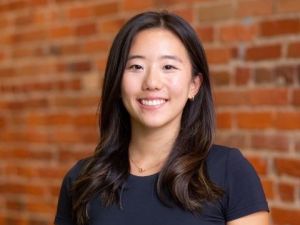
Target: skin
(259,218)
(156,84)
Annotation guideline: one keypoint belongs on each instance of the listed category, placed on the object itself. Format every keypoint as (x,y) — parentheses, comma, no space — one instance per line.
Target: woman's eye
(169,67)
(135,67)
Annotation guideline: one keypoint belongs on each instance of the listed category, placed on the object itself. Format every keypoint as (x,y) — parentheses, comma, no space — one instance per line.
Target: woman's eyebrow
(130,57)
(173,57)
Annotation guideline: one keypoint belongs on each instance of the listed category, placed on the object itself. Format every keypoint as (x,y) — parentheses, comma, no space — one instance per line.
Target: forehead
(157,40)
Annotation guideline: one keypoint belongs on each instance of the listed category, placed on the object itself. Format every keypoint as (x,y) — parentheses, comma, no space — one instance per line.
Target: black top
(226,167)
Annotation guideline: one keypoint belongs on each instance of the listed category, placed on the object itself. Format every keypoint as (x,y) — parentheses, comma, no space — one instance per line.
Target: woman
(155,163)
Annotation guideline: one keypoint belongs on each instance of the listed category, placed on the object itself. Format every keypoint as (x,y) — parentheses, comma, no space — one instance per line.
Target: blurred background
(52,60)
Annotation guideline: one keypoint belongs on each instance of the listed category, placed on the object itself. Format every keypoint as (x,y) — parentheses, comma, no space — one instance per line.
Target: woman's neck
(150,147)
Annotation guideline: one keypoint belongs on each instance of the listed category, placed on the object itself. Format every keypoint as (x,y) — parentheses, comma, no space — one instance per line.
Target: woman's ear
(195,85)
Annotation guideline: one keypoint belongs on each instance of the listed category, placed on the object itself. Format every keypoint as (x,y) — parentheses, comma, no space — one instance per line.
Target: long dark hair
(183,180)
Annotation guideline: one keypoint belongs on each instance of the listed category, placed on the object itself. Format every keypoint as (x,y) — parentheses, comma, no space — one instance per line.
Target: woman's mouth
(152,102)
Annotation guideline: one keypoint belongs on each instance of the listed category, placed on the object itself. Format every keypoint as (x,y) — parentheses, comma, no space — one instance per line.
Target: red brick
(33,69)
(242,76)
(7,39)
(297,145)
(280,27)
(228,97)
(31,19)
(3,121)
(86,29)
(25,52)
(16,204)
(15,188)
(24,20)
(288,6)
(296,97)
(5,22)
(74,136)
(259,163)
(80,12)
(76,67)
(271,142)
(61,32)
(87,119)
(68,49)
(238,32)
(20,153)
(71,156)
(231,139)
(28,104)
(41,207)
(111,26)
(287,120)
(220,78)
(33,119)
(268,186)
(286,192)
(253,97)
(14,5)
(276,96)
(78,102)
(285,75)
(224,120)
(34,172)
(294,50)
(31,189)
(20,220)
(263,75)
(254,8)
(63,1)
(30,36)
(97,46)
(215,12)
(38,2)
(3,56)
(101,63)
(129,5)
(287,166)
(185,13)
(24,136)
(205,33)
(47,86)
(7,71)
(219,55)
(254,120)
(104,9)
(285,216)
(171,2)
(265,52)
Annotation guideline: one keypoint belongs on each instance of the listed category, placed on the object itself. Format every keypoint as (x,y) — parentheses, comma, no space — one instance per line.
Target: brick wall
(52,58)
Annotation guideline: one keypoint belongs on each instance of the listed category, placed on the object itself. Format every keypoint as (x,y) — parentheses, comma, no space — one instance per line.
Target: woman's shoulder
(75,169)
(223,160)
(220,153)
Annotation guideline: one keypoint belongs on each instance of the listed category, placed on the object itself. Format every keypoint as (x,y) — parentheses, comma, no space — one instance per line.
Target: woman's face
(157,80)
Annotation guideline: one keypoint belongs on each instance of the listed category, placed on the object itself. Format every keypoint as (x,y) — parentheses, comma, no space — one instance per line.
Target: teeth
(152,102)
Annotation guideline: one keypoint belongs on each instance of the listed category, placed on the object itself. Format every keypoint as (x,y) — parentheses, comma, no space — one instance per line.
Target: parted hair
(183,180)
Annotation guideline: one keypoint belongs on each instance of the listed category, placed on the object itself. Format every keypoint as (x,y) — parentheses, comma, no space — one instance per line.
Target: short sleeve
(244,192)
(64,205)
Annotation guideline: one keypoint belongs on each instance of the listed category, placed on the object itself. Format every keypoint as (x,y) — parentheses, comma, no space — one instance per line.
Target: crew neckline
(137,177)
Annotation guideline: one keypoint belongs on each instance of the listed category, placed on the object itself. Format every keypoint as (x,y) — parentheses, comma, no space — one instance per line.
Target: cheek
(127,87)
(179,85)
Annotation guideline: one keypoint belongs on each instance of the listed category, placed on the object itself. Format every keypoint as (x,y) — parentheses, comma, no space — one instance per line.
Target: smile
(152,102)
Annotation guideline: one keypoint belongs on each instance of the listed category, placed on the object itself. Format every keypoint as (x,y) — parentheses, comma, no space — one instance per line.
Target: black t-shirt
(226,167)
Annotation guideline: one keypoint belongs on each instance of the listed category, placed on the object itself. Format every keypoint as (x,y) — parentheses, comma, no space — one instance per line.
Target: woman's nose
(152,80)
